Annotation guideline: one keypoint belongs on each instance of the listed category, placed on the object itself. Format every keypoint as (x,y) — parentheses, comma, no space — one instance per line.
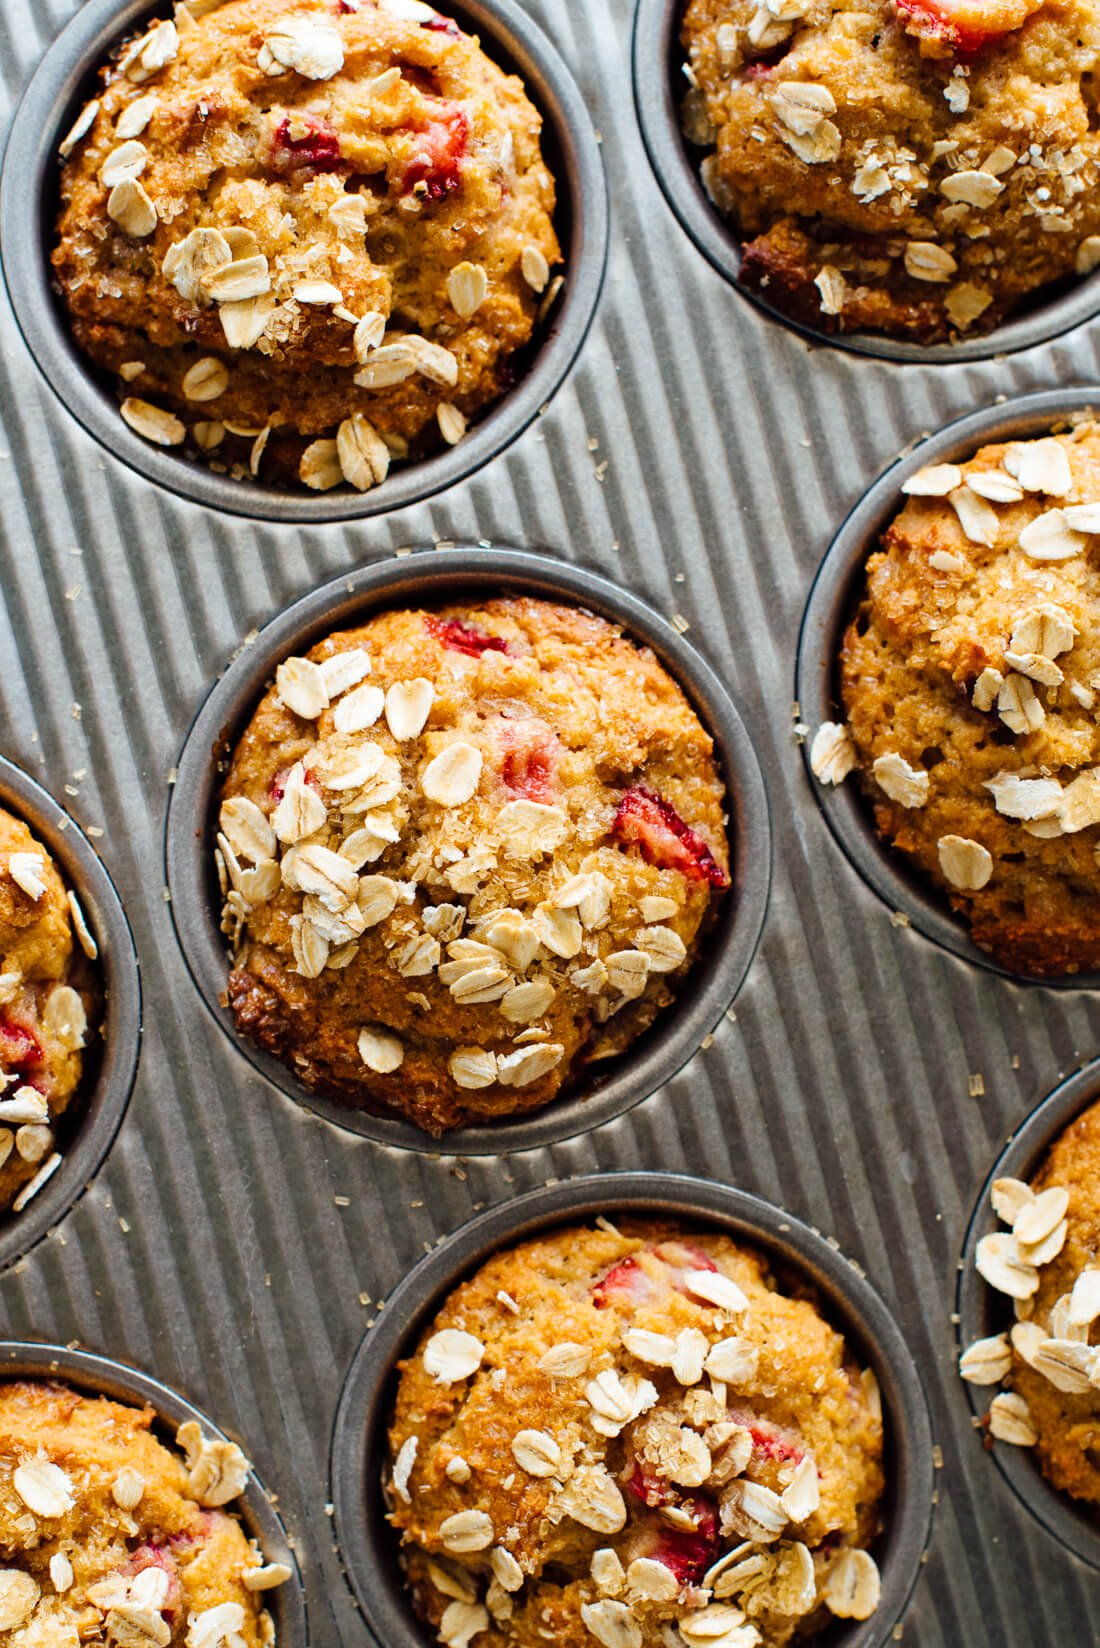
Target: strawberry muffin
(305,237)
(47,1000)
(1048,1362)
(108,1535)
(918,168)
(970,674)
(462,853)
(632,1437)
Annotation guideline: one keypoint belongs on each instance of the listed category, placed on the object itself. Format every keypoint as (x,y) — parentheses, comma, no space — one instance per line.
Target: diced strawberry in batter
(648,821)
(19,1047)
(651,1489)
(443,25)
(769,1441)
(687,1554)
(628,1284)
(530,758)
(459,637)
(318,150)
(156,1556)
(966,25)
(437,161)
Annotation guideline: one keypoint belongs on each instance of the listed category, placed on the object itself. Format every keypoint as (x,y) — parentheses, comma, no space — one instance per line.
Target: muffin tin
(110,1061)
(431,578)
(359,1449)
(28,204)
(701,458)
(100,1376)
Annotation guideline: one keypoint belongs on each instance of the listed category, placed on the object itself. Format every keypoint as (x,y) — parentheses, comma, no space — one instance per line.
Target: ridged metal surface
(210,1250)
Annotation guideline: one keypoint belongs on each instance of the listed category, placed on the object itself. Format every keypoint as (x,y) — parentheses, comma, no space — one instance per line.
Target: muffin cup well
(28,203)
(832,600)
(659,85)
(359,1449)
(430,578)
(101,1376)
(99,1105)
(981,1311)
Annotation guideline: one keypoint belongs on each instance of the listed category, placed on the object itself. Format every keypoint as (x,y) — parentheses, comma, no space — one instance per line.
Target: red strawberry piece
(684,1256)
(19,1046)
(651,1489)
(459,637)
(156,1556)
(648,821)
(317,151)
(966,25)
(687,1553)
(443,25)
(530,757)
(435,169)
(769,1441)
(625,1283)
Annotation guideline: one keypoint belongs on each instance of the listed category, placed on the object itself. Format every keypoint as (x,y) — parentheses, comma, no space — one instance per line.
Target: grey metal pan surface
(359,1453)
(28,202)
(981,1311)
(833,598)
(659,86)
(700,457)
(100,1376)
(433,577)
(112,1055)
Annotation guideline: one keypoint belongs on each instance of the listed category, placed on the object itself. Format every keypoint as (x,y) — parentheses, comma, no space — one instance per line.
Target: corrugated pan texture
(703,455)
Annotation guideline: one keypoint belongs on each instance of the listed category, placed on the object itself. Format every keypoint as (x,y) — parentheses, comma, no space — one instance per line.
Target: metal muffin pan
(100,1376)
(88,1129)
(28,206)
(359,1452)
(833,599)
(432,578)
(982,1311)
(659,86)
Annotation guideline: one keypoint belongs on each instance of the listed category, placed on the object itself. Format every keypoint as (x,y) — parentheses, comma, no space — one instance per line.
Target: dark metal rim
(358,1442)
(655,63)
(1074,1525)
(102,1376)
(25,195)
(435,575)
(827,610)
(105,1106)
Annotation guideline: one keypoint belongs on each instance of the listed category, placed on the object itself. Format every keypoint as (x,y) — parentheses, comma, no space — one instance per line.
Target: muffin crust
(618,1431)
(521,825)
(970,677)
(304,237)
(913,167)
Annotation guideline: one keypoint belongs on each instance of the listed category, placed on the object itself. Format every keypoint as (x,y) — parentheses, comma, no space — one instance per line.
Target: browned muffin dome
(305,235)
(465,851)
(608,1434)
(47,997)
(107,1535)
(913,167)
(1049,1362)
(970,677)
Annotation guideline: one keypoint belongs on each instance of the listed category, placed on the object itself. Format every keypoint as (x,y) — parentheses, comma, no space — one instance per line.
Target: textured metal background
(704,456)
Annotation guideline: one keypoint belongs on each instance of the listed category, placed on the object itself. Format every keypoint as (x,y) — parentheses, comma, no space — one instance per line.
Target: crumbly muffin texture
(1048,1363)
(634,1436)
(463,851)
(970,676)
(108,1535)
(305,236)
(912,167)
(46,1000)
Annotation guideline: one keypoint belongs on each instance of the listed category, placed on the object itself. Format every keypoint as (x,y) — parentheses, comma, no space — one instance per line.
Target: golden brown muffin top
(970,676)
(107,1533)
(627,1428)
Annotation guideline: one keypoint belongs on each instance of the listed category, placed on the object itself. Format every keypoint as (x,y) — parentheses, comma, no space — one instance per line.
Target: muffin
(463,852)
(610,1433)
(305,238)
(48,1001)
(970,675)
(1049,1361)
(912,167)
(107,1534)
